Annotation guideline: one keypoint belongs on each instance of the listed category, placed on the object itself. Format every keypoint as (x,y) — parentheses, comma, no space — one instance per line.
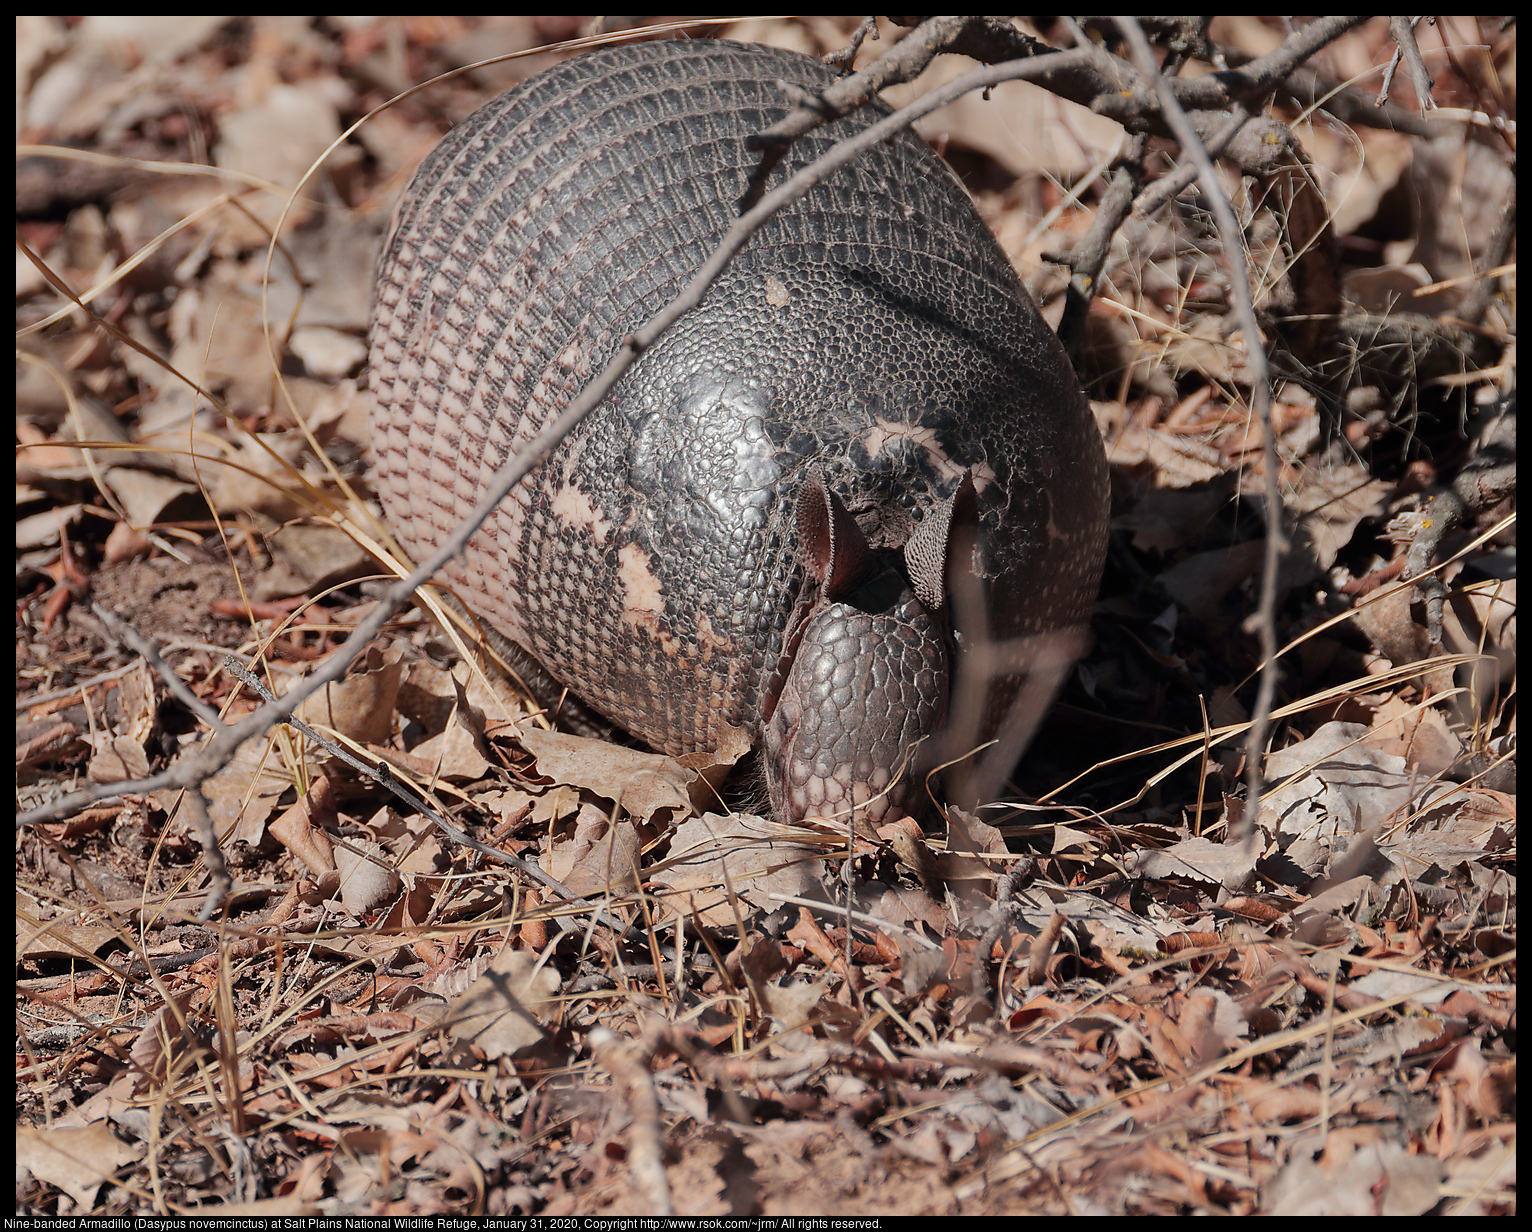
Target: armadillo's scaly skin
(874,330)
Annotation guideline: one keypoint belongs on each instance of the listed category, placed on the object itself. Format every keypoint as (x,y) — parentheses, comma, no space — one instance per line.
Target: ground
(605,989)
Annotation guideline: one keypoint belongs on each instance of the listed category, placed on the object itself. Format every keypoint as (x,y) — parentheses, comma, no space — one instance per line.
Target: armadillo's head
(862,687)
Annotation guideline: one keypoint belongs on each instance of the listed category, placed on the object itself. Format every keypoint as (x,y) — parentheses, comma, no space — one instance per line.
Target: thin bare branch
(1403,30)
(1088,257)
(986,39)
(1260,380)
(628,1065)
(179,689)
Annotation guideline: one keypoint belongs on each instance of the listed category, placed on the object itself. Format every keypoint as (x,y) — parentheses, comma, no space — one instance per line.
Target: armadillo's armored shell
(874,333)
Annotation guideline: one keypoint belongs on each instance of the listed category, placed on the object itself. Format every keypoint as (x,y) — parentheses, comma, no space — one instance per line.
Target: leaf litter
(1116,996)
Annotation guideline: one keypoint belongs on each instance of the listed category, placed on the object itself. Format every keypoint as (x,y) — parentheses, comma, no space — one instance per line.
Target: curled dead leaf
(504,1010)
(366,881)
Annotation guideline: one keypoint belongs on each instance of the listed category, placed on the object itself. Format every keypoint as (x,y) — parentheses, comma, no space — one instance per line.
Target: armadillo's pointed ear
(942,543)
(830,543)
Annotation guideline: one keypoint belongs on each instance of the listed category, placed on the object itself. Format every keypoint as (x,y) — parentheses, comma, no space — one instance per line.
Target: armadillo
(752,540)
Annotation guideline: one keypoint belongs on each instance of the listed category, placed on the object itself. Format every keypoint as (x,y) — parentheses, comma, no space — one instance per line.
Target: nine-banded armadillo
(752,538)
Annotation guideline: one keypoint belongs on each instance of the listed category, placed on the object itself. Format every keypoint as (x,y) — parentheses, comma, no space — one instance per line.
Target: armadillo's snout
(863,695)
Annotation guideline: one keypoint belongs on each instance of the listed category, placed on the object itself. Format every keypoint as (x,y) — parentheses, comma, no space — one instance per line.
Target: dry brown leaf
(56,938)
(643,783)
(139,692)
(276,136)
(76,1160)
(244,793)
(503,1012)
(792,1006)
(757,864)
(1222,864)
(909,905)
(117,758)
(967,839)
(1173,462)
(429,695)
(297,830)
(1393,288)
(1335,788)
(146,497)
(309,559)
(413,841)
(1361,1179)
(1482,621)
(453,753)
(360,707)
(1460,189)
(1453,824)
(602,856)
(365,880)
(1200,581)
(1419,734)
(1023,128)
(1327,510)
(166,1036)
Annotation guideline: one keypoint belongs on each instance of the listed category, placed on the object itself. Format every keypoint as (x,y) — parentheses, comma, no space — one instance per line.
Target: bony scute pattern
(865,401)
